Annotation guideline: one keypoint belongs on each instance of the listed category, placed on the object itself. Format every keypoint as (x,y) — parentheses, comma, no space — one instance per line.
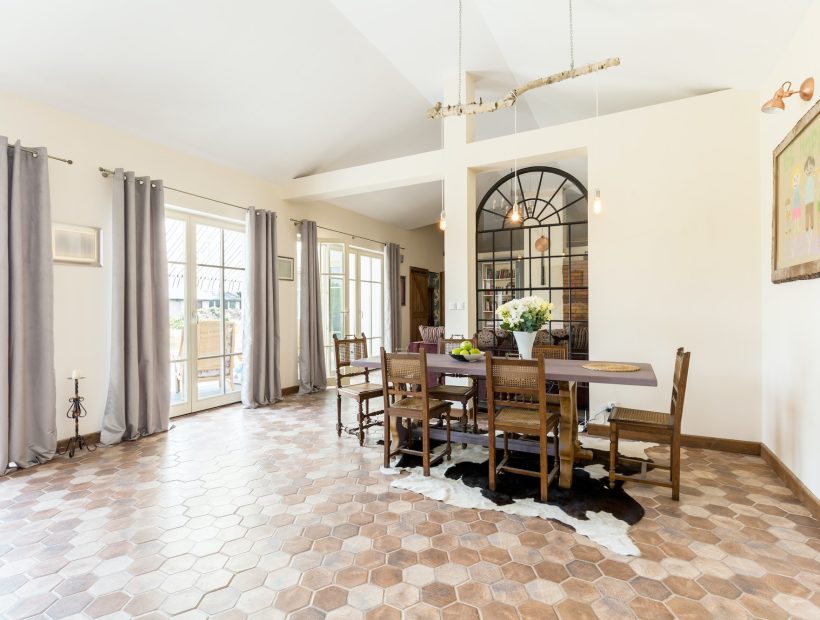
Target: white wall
(674,257)
(791,311)
(79,195)
(422,247)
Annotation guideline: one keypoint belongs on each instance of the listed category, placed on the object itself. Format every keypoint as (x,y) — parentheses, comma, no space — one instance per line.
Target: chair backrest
(445,345)
(485,338)
(347,350)
(516,383)
(679,385)
(431,333)
(404,374)
(550,351)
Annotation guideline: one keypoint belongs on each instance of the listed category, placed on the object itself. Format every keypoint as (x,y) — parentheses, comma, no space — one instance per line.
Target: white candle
(75,374)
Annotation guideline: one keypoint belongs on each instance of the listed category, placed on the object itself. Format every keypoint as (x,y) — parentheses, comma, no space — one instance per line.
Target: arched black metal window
(541,252)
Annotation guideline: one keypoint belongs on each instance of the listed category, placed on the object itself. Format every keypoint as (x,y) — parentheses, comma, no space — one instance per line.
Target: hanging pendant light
(597,205)
(515,214)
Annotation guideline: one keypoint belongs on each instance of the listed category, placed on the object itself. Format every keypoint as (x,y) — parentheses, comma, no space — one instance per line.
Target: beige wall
(422,247)
(79,195)
(674,259)
(791,311)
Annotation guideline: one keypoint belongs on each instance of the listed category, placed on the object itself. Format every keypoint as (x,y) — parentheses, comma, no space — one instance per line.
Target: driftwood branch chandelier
(477,107)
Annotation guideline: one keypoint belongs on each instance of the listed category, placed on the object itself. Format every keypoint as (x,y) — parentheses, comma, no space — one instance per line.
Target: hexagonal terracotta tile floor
(267,514)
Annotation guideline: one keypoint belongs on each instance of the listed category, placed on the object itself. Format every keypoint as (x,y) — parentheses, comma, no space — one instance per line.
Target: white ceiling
(282,89)
(407,207)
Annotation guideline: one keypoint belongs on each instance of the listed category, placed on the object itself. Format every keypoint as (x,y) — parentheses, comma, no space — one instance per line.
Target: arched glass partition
(543,253)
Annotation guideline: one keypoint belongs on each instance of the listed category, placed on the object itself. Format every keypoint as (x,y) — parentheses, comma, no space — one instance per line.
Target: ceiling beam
(387,174)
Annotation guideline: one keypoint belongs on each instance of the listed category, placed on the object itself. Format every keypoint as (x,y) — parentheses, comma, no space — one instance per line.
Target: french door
(352,295)
(206,265)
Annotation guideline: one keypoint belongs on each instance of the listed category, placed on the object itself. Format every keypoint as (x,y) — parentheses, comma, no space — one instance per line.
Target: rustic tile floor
(267,514)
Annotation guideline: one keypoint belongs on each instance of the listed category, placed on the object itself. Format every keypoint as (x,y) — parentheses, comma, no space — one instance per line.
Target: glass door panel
(175,243)
(206,282)
(334,300)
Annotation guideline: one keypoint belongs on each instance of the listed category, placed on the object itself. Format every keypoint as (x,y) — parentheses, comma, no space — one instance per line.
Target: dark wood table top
(557,370)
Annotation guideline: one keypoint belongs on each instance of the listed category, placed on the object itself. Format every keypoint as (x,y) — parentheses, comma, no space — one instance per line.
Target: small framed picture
(76,245)
(285,267)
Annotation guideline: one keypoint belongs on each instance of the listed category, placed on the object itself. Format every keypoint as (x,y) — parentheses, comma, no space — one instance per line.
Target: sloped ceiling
(285,89)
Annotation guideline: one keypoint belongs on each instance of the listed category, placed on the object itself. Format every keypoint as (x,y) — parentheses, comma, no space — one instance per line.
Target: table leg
(570,447)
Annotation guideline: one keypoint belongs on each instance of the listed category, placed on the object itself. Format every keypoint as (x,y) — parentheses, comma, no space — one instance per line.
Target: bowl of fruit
(467,352)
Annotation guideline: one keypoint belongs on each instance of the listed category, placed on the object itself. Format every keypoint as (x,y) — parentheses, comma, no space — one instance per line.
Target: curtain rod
(36,154)
(106,173)
(297,222)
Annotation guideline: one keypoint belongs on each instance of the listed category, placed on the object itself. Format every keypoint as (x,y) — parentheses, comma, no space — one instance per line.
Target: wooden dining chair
(517,403)
(655,425)
(456,393)
(551,352)
(347,350)
(406,396)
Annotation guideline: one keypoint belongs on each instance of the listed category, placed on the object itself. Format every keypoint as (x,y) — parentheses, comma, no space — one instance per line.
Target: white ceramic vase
(524,341)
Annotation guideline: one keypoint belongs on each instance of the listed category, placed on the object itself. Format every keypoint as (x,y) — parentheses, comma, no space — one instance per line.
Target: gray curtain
(139,383)
(392,297)
(312,373)
(28,416)
(261,384)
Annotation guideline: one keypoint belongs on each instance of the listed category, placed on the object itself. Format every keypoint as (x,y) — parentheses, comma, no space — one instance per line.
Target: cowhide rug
(592,509)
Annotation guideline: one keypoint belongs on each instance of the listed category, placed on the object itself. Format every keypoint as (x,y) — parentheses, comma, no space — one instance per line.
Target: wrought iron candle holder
(76,411)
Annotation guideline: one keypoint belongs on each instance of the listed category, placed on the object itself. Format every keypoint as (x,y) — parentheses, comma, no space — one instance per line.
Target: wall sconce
(597,205)
(776,104)
(442,220)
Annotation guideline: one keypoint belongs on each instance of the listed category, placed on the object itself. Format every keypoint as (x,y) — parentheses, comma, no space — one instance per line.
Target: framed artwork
(403,287)
(796,203)
(284,265)
(76,245)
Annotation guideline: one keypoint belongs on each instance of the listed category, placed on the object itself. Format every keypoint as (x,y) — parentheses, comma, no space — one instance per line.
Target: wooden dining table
(566,373)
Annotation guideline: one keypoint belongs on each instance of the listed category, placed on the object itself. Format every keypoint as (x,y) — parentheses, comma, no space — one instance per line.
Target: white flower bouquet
(527,314)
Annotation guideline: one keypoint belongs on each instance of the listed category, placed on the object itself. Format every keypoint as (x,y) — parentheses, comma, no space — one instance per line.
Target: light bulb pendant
(515,214)
(597,205)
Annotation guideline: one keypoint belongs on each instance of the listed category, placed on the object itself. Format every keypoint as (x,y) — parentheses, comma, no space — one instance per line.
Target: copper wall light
(775,104)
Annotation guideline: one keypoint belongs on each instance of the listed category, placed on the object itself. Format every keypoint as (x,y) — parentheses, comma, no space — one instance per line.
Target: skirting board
(687,441)
(803,493)
(94,438)
(792,482)
(90,438)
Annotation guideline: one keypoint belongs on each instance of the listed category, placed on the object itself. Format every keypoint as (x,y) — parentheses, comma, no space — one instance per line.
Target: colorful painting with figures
(796,214)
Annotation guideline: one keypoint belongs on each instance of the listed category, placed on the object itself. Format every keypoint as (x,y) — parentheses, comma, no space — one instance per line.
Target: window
(352,295)
(206,265)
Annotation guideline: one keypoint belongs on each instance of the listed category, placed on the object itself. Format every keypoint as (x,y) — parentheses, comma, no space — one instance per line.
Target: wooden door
(419,294)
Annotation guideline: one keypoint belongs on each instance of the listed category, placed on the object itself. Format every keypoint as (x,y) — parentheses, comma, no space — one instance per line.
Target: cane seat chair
(517,403)
(407,396)
(347,350)
(551,352)
(456,393)
(655,425)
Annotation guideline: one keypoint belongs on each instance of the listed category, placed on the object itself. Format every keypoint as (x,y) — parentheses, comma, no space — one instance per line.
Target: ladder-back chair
(347,350)
(517,403)
(658,425)
(404,381)
(456,393)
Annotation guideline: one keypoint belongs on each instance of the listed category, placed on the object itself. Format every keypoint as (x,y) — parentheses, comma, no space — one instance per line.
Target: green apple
(474,352)
(466,344)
